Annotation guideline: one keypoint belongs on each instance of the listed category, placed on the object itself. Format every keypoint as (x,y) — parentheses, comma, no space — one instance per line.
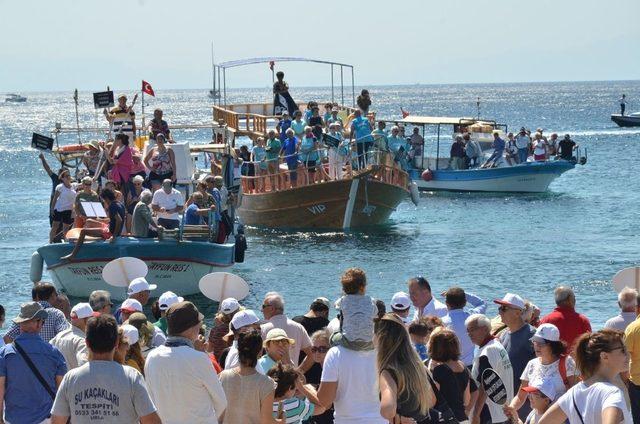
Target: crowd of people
(374,362)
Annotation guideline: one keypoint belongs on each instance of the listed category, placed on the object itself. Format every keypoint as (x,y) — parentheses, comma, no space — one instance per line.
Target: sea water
(579,233)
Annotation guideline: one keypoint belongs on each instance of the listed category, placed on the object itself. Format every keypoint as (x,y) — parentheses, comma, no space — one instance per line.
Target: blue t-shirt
(362,128)
(285,124)
(191,216)
(215,193)
(25,400)
(498,145)
(115,208)
(298,127)
(307,151)
(289,150)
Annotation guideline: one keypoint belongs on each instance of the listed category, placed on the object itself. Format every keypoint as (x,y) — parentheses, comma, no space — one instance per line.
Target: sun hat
(229,305)
(546,333)
(545,387)
(244,318)
(512,300)
(87,180)
(94,143)
(167,299)
(140,284)
(29,311)
(83,310)
(182,316)
(322,301)
(276,334)
(138,179)
(131,305)
(130,333)
(400,301)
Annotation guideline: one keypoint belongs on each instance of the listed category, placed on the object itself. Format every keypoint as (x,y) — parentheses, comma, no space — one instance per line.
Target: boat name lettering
(169,267)
(86,270)
(317,209)
(368,210)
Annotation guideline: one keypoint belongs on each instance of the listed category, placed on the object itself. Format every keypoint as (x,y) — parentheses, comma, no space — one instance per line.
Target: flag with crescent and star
(146,88)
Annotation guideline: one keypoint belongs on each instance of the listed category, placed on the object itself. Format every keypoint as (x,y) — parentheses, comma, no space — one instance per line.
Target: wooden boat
(361,198)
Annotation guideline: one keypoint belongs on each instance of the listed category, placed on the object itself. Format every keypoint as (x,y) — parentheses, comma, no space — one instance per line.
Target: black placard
(103,99)
(41,142)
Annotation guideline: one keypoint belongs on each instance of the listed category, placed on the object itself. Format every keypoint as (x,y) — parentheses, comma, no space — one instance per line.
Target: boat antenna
(478,107)
(75,100)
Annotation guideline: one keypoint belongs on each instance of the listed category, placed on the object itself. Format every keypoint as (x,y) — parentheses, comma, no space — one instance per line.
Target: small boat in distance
(632,120)
(15,98)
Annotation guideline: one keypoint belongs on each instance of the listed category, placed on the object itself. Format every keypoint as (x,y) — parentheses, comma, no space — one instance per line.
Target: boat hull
(626,121)
(174,266)
(533,177)
(342,204)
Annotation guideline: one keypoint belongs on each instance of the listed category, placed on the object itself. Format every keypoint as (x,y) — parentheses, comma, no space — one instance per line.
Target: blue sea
(579,233)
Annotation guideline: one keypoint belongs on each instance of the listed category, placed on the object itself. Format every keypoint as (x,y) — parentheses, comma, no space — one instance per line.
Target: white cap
(545,386)
(131,305)
(244,318)
(546,332)
(512,300)
(130,333)
(400,301)
(167,299)
(81,310)
(140,284)
(229,305)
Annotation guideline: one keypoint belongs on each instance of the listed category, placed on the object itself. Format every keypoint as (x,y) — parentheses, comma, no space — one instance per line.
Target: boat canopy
(254,60)
(440,120)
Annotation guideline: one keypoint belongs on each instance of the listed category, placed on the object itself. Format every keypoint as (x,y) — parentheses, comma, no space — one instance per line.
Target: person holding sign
(122,118)
(492,357)
(85,194)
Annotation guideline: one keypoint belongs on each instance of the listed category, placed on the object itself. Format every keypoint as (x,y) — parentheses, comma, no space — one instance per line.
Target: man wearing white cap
(71,342)
(516,339)
(140,290)
(246,318)
(164,302)
(400,305)
(128,307)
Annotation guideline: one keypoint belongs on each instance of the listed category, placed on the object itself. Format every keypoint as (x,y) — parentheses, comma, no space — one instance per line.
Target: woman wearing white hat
(217,343)
(551,364)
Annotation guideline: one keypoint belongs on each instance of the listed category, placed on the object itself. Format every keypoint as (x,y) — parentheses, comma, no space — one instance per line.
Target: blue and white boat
(432,173)
(175,265)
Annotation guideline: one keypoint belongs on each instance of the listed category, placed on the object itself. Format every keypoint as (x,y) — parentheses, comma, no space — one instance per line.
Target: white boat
(432,173)
(15,98)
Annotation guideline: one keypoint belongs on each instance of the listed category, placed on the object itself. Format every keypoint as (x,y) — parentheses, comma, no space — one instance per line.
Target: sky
(87,44)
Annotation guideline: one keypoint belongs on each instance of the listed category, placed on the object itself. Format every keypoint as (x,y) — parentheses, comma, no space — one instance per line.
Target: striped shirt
(295,409)
(54,324)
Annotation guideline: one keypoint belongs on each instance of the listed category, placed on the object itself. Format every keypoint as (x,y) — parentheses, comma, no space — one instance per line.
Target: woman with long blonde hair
(404,387)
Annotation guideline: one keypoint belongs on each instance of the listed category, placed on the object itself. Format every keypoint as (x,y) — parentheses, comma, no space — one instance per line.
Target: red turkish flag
(404,113)
(146,88)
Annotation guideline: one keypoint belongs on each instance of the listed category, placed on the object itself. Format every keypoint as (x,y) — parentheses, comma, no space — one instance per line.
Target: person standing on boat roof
(282,99)
(522,142)
(472,151)
(159,126)
(122,118)
(567,147)
(623,104)
(361,130)
(168,203)
(456,155)
(290,151)
(498,151)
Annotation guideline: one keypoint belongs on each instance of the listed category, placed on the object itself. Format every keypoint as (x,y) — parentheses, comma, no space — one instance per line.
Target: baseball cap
(87,180)
(229,305)
(400,301)
(512,300)
(546,332)
(131,305)
(140,284)
(83,310)
(322,301)
(167,299)
(244,318)
(29,311)
(130,333)
(545,387)
(182,316)
(278,334)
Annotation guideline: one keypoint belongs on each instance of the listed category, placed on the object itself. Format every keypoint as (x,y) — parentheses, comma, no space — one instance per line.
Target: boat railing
(377,164)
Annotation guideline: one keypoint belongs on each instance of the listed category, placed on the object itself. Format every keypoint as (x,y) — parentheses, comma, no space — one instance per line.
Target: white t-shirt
(591,401)
(493,355)
(357,396)
(66,197)
(434,307)
(536,371)
(168,201)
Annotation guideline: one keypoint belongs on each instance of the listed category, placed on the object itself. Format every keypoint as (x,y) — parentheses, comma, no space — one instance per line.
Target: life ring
(73,148)
(427,175)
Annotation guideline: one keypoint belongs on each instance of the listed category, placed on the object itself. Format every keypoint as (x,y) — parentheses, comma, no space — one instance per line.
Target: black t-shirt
(566,148)
(452,387)
(115,208)
(316,123)
(311,324)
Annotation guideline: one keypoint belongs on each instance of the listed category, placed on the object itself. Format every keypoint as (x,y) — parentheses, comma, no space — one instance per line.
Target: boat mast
(213,67)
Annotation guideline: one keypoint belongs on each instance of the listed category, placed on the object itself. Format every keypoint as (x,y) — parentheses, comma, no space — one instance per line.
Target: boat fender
(35,273)
(427,175)
(583,160)
(240,245)
(415,193)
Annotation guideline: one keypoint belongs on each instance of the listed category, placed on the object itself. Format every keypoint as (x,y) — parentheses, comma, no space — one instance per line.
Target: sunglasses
(504,308)
(320,349)
(265,306)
